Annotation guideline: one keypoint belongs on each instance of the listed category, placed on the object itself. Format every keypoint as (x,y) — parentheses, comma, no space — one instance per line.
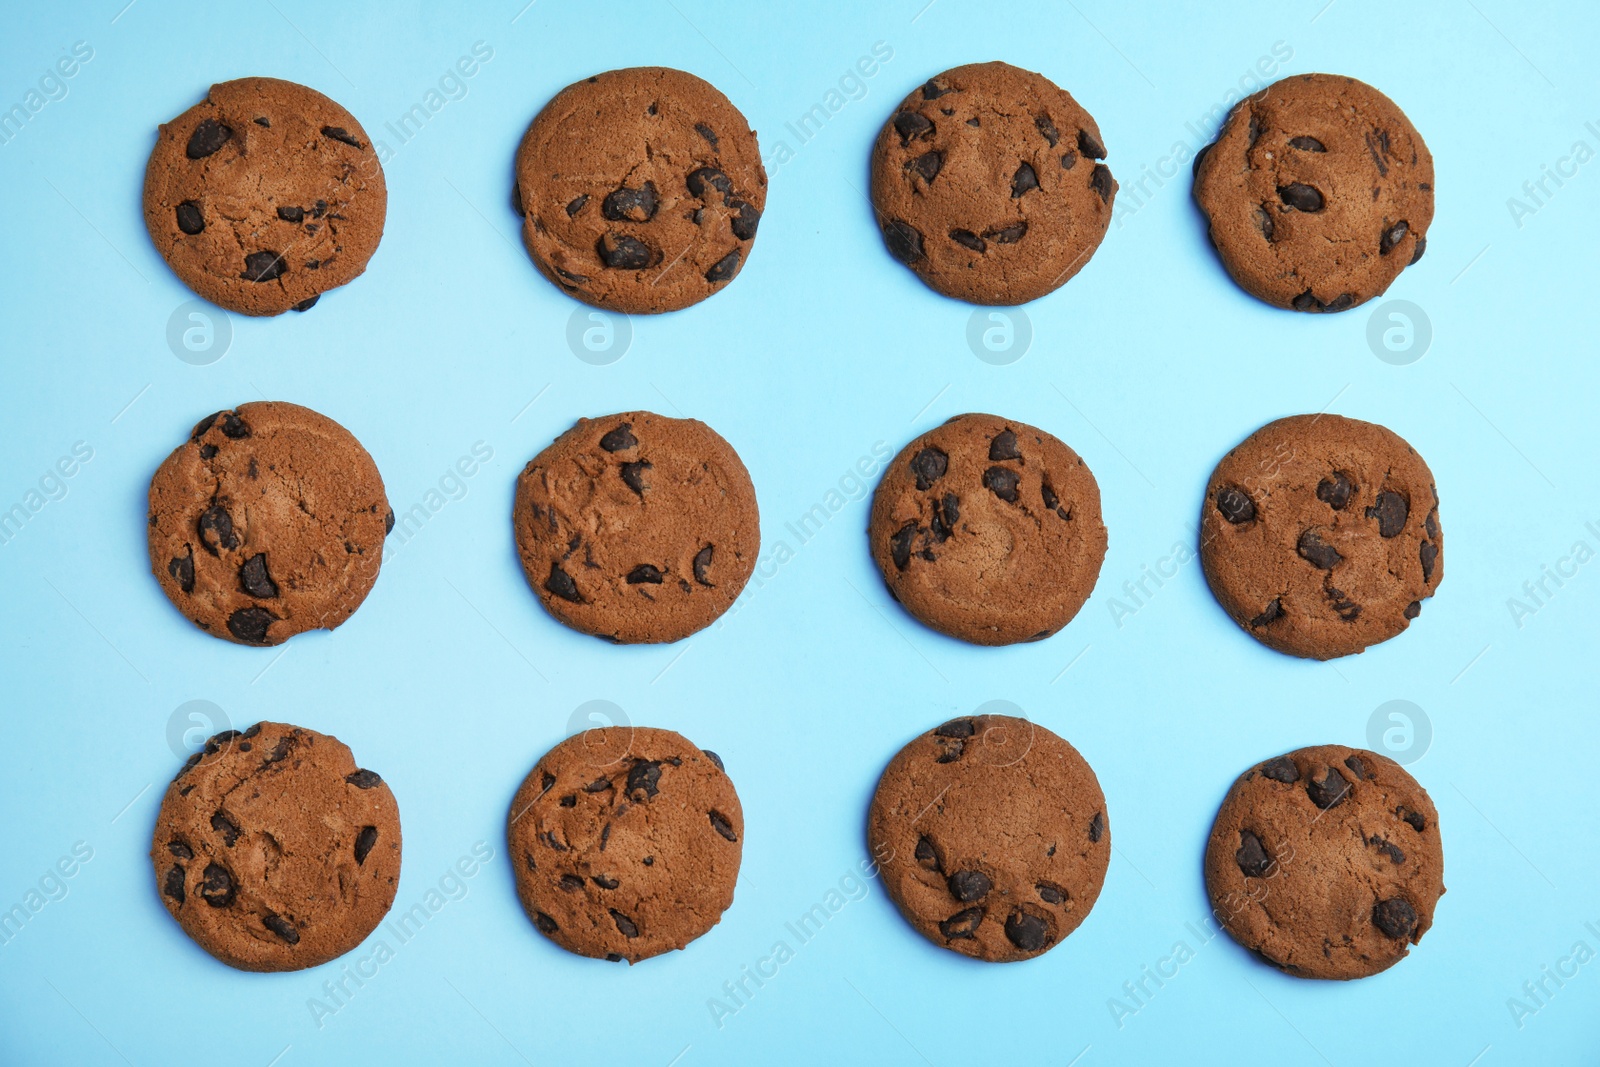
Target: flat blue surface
(451,680)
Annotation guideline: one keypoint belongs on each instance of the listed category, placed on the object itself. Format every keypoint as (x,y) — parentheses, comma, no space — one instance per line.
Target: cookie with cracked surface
(1320,535)
(274,850)
(625,842)
(269,521)
(264,196)
(637,528)
(1326,862)
(988,530)
(640,190)
(991,837)
(987,182)
(1318,192)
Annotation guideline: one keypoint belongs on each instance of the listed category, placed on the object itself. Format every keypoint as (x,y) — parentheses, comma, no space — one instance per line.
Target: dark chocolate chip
(1431,523)
(1271,613)
(625,925)
(702,563)
(1396,855)
(251,624)
(927,854)
(705,178)
(207,137)
(903,240)
(363,778)
(1306,302)
(1330,791)
(1069,159)
(224,826)
(282,927)
(927,165)
(1391,237)
(264,266)
(929,466)
(180,850)
(1300,196)
(571,882)
(911,124)
(1003,446)
(308,303)
(1007,235)
(604,881)
(1280,769)
(1047,130)
(620,438)
(745,223)
(967,886)
(644,573)
(190,220)
(946,513)
(900,544)
(1429,554)
(1100,181)
(1317,552)
(724,268)
(1097,827)
(1335,491)
(254,578)
(1023,181)
(720,823)
(1306,144)
(339,133)
(968,239)
(560,584)
(545,924)
(1028,932)
(364,842)
(292,214)
(1051,893)
(714,758)
(619,251)
(263,121)
(1235,505)
(643,776)
(574,205)
(1357,767)
(388,523)
(1421,247)
(631,205)
(1414,608)
(1002,482)
(217,888)
(1417,820)
(705,131)
(961,925)
(1395,917)
(1390,510)
(930,91)
(182,570)
(961,728)
(950,750)
(1251,857)
(173,887)
(1340,302)
(633,474)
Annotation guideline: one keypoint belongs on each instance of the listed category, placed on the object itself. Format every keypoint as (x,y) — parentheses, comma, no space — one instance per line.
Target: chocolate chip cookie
(1326,862)
(1320,535)
(640,190)
(625,842)
(274,851)
(1318,192)
(264,196)
(269,521)
(991,837)
(637,528)
(987,182)
(988,530)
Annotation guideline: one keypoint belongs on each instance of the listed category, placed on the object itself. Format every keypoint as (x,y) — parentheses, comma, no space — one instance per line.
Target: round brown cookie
(986,184)
(264,196)
(1320,535)
(990,833)
(269,521)
(640,190)
(988,530)
(274,851)
(1318,191)
(1326,862)
(637,528)
(625,842)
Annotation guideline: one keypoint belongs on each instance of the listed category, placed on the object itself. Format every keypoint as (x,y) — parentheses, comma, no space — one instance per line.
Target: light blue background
(451,681)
